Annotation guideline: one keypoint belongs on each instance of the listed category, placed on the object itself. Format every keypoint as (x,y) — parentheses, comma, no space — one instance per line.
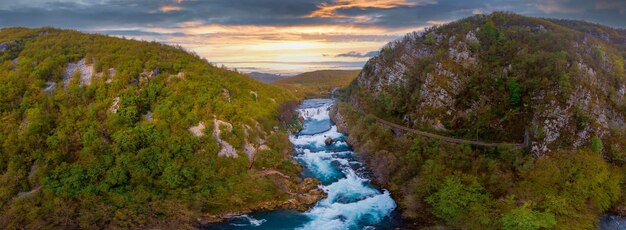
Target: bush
(596,144)
(453,198)
(525,218)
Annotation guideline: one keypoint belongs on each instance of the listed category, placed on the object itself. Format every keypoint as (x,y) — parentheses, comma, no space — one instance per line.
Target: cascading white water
(352,202)
(316,113)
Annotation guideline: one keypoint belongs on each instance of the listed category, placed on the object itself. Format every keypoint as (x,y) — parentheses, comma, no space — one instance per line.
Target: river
(352,202)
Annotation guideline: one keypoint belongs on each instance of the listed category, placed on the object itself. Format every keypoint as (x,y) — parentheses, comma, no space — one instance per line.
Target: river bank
(412,166)
(306,194)
(351,201)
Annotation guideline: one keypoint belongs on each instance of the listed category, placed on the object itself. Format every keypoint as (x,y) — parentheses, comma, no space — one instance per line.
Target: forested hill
(559,84)
(103,131)
(501,76)
(318,83)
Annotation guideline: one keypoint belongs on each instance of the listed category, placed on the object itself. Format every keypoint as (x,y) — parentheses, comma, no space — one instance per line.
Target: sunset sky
(282,36)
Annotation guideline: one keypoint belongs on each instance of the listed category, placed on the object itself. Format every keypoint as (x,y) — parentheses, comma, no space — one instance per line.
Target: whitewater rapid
(352,202)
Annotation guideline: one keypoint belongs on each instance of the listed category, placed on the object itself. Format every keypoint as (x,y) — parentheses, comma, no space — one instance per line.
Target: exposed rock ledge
(306,194)
(338,119)
(342,125)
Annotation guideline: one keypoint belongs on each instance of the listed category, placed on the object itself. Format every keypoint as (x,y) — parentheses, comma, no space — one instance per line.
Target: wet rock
(620,209)
(329,141)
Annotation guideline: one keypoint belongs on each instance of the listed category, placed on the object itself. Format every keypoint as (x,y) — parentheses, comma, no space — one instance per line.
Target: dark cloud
(357,54)
(135,13)
(148,20)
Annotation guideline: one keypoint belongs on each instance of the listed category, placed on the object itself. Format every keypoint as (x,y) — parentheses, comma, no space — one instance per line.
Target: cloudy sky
(283,36)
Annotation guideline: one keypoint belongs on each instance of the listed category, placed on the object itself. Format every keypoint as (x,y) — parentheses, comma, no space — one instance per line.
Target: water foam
(347,216)
(349,189)
(320,164)
(316,140)
(250,221)
(316,110)
(351,202)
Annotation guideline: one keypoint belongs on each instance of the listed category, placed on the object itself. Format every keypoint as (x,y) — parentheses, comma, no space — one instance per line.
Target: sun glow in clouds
(168,8)
(286,49)
(329,10)
(279,49)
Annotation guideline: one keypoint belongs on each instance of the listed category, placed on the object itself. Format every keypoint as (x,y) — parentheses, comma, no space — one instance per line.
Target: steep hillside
(265,77)
(128,134)
(317,83)
(502,77)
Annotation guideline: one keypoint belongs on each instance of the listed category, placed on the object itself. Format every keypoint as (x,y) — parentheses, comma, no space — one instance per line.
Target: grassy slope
(317,83)
(65,148)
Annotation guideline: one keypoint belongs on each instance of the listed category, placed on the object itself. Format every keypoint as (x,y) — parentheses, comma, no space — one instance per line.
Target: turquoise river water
(352,202)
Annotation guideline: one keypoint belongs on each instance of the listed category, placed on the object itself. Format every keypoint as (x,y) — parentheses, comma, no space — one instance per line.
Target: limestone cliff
(501,77)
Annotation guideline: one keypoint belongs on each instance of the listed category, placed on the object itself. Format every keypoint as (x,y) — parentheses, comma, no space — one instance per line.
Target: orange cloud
(435,22)
(168,8)
(329,10)
(278,49)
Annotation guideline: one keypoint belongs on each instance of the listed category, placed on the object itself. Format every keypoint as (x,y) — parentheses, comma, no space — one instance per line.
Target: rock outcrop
(448,79)
(197,130)
(50,86)
(86,72)
(227,150)
(6,45)
(115,106)
(226,95)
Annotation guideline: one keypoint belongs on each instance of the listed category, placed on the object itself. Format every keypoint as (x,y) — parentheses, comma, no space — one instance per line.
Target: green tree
(565,85)
(454,198)
(430,39)
(574,185)
(489,34)
(596,144)
(515,93)
(525,218)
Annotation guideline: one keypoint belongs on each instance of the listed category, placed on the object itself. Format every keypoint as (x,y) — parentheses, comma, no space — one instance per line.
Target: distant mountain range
(266,77)
(318,83)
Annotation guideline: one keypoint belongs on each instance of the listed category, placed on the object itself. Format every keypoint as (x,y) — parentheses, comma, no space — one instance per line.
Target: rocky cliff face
(501,76)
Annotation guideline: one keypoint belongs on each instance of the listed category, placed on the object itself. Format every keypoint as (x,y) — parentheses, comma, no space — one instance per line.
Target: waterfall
(352,201)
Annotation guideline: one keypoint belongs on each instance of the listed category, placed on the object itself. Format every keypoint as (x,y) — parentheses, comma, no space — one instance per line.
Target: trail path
(445,138)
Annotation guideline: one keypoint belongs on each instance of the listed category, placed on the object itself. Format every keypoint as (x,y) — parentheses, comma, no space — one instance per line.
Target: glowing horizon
(282,36)
(284,50)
